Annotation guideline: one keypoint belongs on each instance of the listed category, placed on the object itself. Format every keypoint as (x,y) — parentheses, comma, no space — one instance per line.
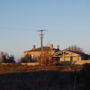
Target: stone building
(36,52)
(69,56)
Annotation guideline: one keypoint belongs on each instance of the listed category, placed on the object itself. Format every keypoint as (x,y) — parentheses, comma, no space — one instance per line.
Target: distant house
(70,56)
(36,52)
(59,56)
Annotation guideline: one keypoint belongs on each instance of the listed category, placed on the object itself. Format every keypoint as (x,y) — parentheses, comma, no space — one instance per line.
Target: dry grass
(44,77)
(17,67)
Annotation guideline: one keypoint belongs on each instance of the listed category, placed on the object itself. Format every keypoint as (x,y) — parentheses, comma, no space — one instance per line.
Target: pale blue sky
(67,23)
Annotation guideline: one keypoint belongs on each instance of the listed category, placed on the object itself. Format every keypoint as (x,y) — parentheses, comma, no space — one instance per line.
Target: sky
(67,22)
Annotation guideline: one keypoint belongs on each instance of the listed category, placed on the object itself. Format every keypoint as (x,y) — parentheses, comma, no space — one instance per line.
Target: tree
(5,58)
(75,48)
(46,58)
(8,59)
(26,59)
(11,59)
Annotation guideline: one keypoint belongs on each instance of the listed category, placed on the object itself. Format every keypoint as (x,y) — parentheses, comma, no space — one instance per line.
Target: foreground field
(20,77)
(42,80)
(45,80)
(12,68)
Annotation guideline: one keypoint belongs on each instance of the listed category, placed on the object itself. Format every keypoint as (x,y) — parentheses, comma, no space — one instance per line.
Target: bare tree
(46,58)
(75,48)
(3,56)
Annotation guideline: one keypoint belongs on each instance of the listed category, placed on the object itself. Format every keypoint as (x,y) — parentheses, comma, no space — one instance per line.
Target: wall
(31,64)
(75,57)
(83,62)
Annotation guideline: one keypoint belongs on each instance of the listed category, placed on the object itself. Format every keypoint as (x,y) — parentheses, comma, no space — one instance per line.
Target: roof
(76,52)
(44,48)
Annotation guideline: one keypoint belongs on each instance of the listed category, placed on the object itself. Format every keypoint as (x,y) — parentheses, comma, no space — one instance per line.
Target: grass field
(17,67)
(18,77)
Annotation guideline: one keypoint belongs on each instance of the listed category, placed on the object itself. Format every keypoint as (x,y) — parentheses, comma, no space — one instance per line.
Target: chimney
(33,47)
(58,46)
(51,46)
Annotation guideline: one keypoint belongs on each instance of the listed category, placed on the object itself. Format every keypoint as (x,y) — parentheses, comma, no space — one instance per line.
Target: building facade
(69,56)
(36,52)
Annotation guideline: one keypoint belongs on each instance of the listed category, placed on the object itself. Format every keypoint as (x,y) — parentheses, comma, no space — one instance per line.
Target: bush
(26,59)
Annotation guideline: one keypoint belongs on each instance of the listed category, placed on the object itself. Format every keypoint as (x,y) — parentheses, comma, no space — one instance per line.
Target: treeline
(44,59)
(6,58)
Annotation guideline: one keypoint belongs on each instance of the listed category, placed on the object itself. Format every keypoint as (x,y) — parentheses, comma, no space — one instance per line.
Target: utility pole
(41,38)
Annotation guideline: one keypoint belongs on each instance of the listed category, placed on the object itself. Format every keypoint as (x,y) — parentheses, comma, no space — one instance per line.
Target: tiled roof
(44,48)
(79,53)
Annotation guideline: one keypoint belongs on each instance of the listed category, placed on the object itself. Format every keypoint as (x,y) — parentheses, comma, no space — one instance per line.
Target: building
(69,56)
(59,56)
(36,52)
